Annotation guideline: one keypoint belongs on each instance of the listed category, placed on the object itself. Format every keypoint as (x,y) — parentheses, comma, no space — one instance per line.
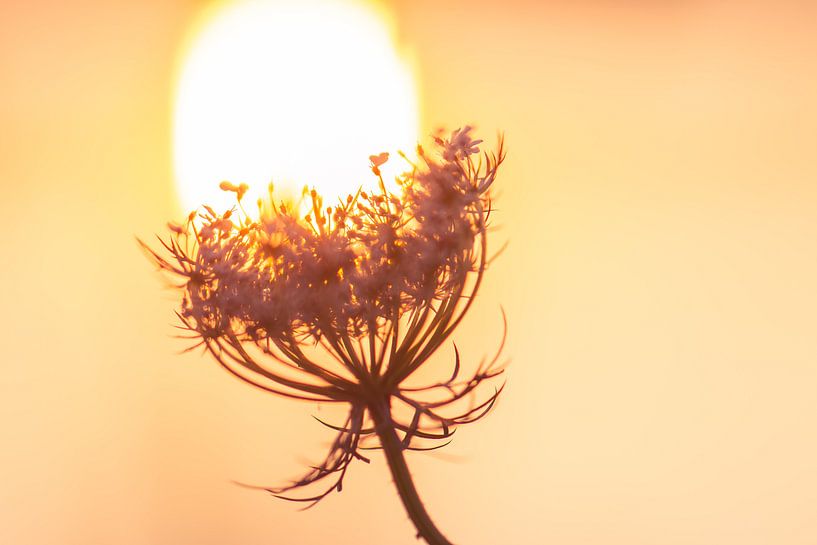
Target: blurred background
(660,200)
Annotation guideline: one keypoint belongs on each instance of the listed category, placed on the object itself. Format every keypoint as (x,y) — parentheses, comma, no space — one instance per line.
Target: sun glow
(297,92)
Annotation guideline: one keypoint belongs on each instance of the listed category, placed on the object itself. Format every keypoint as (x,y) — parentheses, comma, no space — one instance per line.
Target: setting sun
(293,92)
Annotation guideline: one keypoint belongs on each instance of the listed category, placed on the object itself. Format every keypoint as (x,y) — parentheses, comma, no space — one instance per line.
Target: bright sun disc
(298,92)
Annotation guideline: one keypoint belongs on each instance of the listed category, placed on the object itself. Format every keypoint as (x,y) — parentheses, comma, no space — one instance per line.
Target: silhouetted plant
(344,303)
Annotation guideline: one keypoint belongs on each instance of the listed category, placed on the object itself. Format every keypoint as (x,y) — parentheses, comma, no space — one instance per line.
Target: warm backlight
(297,92)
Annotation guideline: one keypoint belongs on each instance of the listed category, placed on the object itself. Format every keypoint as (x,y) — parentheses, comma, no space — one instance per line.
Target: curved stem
(393,449)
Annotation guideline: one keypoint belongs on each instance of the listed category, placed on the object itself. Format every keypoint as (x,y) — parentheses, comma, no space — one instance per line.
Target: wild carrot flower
(343,303)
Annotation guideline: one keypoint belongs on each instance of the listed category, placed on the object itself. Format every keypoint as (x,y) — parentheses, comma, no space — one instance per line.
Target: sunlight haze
(659,200)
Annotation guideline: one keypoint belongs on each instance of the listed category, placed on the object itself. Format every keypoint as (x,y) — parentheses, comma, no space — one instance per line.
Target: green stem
(393,449)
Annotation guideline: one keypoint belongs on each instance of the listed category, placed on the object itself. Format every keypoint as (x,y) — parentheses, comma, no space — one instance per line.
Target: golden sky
(660,200)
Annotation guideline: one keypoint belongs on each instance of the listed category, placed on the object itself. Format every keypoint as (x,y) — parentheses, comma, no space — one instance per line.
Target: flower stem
(393,449)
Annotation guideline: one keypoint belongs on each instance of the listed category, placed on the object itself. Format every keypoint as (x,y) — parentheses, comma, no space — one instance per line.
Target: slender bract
(344,303)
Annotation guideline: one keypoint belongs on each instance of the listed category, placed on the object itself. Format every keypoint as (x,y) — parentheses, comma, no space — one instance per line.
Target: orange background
(660,199)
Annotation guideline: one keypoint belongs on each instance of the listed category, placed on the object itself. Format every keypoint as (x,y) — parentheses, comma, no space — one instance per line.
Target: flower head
(343,303)
(378,161)
(459,145)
